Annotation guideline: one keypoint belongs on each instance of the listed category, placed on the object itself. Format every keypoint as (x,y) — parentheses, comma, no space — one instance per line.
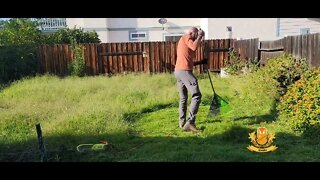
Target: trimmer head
(218,106)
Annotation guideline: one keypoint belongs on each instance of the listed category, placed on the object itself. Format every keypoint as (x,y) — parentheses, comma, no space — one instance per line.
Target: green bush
(74,37)
(65,36)
(17,62)
(77,66)
(20,31)
(19,39)
(301,103)
(285,69)
(253,65)
(236,66)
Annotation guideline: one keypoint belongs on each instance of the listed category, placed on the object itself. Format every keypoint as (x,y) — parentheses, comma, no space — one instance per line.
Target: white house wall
(118,36)
(74,22)
(96,23)
(292,26)
(151,22)
(100,25)
(154,30)
(245,28)
(204,25)
(117,29)
(122,22)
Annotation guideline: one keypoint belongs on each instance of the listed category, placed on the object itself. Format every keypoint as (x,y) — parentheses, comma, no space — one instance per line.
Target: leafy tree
(19,39)
(1,23)
(20,31)
(66,36)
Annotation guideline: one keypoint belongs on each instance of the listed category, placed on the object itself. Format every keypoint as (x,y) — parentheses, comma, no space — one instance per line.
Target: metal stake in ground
(41,145)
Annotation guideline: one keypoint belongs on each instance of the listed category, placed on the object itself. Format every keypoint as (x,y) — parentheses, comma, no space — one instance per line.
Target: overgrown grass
(138,116)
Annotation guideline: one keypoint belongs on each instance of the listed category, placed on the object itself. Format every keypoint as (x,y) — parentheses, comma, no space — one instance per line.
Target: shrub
(20,31)
(77,66)
(285,69)
(17,62)
(19,39)
(301,103)
(235,65)
(64,36)
(253,65)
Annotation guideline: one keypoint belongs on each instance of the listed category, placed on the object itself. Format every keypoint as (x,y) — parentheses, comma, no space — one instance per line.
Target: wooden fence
(54,58)
(302,46)
(148,57)
(158,57)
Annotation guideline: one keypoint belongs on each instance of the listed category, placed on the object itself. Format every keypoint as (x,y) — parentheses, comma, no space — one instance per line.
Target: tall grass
(138,115)
(89,106)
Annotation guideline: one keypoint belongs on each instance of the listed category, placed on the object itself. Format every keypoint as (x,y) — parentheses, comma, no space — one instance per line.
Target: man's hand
(203,61)
(201,32)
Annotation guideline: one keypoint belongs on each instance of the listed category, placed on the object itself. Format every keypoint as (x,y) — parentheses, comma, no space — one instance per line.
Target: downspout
(278,27)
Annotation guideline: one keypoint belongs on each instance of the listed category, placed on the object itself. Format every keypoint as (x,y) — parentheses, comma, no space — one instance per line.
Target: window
(134,35)
(305,31)
(172,37)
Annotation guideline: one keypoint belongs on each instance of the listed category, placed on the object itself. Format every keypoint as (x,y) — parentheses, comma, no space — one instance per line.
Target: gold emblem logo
(262,140)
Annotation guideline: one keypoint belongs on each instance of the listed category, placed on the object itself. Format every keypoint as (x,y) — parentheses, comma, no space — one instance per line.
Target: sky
(4,19)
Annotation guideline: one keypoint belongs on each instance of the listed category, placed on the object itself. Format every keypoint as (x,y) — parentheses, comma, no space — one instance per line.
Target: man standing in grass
(186,81)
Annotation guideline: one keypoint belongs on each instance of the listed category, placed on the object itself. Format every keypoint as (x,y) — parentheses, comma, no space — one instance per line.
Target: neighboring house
(134,29)
(296,26)
(46,24)
(242,28)
(52,24)
(171,29)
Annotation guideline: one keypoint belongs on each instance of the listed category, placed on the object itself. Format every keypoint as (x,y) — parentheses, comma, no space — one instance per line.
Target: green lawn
(138,116)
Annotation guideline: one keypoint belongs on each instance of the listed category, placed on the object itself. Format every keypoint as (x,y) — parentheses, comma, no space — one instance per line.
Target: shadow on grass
(230,146)
(214,121)
(270,117)
(133,116)
(3,86)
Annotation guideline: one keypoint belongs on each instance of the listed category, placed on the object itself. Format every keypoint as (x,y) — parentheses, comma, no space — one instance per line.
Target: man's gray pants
(186,81)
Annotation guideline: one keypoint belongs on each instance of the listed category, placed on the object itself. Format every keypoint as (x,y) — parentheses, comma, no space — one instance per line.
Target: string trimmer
(218,104)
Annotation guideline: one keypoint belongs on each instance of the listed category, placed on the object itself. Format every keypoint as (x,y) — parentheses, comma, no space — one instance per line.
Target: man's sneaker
(190,127)
(182,123)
